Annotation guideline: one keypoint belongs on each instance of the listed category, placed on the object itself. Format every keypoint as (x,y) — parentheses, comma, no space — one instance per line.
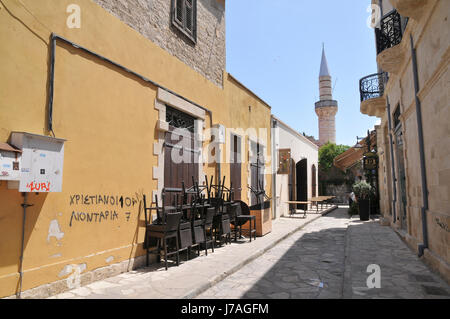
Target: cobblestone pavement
(329,258)
(191,277)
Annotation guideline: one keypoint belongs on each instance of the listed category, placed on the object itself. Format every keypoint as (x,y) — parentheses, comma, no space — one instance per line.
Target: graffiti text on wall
(80,199)
(93,217)
(34,187)
(114,204)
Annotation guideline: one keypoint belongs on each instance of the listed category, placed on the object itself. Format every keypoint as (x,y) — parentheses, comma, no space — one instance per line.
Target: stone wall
(429,27)
(152,18)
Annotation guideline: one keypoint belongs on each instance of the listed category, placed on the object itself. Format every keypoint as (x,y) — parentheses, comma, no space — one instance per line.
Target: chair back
(210,212)
(245,210)
(173,221)
(233,210)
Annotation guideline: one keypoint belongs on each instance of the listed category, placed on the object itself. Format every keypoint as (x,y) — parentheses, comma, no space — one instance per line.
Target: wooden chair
(164,232)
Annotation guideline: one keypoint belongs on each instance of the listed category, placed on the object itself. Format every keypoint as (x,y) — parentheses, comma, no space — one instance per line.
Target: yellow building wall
(108,118)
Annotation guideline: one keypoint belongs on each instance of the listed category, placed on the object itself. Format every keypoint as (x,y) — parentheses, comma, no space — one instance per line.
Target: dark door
(302,182)
(313,181)
(401,184)
(235,166)
(180,152)
(291,183)
(256,171)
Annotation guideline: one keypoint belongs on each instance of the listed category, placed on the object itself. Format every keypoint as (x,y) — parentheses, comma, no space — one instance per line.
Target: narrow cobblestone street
(325,257)
(328,259)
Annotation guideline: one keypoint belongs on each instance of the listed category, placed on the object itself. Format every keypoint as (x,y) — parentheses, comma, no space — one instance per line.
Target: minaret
(326,108)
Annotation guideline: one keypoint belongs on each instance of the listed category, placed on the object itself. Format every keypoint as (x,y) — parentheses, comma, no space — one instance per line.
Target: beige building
(95,95)
(410,94)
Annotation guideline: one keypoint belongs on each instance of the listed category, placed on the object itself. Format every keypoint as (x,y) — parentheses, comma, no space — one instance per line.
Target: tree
(327,154)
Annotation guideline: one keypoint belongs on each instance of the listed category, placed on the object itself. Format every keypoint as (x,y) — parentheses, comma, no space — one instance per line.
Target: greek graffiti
(112,200)
(44,187)
(114,203)
(93,217)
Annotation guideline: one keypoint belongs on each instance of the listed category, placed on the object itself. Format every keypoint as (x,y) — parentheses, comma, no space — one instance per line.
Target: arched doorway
(291,184)
(313,181)
(302,183)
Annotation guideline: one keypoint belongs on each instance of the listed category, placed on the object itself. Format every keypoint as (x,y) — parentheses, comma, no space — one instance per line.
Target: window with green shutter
(184,17)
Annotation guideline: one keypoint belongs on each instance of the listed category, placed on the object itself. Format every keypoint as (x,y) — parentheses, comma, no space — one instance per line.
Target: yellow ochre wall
(108,118)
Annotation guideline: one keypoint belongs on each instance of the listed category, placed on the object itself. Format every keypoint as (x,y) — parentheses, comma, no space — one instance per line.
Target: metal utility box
(42,162)
(9,163)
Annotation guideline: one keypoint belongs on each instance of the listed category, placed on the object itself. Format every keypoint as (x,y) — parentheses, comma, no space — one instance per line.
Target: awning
(354,154)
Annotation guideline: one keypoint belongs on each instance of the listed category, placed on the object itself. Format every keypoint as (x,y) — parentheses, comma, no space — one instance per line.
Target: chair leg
(165,252)
(158,256)
(146,257)
(206,242)
(178,251)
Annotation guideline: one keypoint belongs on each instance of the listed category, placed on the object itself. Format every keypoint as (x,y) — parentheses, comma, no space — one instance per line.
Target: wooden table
(293,211)
(320,199)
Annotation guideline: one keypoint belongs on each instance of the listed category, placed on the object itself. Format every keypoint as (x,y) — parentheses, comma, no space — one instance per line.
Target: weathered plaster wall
(152,18)
(109,119)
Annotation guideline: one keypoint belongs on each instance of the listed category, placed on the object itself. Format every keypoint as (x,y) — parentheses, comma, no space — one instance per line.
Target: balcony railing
(390,32)
(372,86)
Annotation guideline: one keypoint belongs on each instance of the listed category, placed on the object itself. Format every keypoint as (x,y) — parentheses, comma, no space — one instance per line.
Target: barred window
(184,17)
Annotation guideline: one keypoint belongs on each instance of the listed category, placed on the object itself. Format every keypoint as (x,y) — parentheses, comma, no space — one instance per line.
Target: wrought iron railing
(372,86)
(390,32)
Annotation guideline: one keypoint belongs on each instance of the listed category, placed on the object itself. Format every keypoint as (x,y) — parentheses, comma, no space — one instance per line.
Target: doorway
(401,184)
(180,164)
(302,183)
(236,166)
(256,171)
(313,181)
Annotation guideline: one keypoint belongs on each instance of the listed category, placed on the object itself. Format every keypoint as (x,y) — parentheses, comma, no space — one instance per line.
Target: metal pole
(423,172)
(24,206)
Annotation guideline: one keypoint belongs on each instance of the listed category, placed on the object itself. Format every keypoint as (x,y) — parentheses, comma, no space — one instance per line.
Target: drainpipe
(274,172)
(394,189)
(24,206)
(423,172)
(54,38)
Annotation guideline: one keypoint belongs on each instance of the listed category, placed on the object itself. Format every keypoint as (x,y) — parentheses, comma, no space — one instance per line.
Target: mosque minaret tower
(326,108)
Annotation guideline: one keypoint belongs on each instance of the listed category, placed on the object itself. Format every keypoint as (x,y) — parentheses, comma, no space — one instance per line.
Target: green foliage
(363,190)
(354,209)
(328,152)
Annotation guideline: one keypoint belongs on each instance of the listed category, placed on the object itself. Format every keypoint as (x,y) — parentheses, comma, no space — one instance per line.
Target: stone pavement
(329,258)
(191,277)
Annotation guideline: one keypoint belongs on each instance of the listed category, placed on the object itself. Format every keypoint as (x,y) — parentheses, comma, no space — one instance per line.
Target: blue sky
(274,48)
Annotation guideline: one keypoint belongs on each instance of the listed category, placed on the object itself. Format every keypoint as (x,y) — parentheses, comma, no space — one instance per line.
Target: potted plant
(363,193)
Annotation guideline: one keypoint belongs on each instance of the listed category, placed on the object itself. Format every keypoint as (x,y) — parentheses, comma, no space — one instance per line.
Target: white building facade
(294,167)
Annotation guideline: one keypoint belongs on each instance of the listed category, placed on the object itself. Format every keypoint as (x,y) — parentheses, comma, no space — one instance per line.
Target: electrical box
(9,162)
(42,160)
